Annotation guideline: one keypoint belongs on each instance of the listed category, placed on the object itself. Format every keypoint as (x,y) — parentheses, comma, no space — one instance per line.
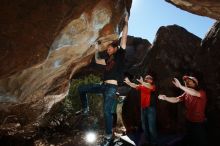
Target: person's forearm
(124,35)
(172,99)
(133,85)
(190,91)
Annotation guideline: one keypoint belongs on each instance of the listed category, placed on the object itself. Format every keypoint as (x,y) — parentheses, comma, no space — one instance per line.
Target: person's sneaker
(84,111)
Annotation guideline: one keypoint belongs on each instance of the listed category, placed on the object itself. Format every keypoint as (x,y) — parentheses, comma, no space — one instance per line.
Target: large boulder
(136,50)
(208,62)
(209,8)
(43,44)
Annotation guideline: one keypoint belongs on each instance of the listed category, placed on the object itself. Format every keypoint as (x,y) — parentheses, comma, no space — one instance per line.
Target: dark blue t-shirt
(114,66)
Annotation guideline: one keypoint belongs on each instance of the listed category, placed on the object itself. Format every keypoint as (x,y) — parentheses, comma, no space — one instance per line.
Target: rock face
(43,44)
(207,60)
(136,50)
(172,52)
(28,30)
(209,8)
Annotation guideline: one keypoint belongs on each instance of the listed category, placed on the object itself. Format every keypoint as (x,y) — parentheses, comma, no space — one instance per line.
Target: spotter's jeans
(148,120)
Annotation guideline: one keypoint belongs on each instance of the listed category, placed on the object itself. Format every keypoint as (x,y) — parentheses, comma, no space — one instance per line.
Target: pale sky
(148,15)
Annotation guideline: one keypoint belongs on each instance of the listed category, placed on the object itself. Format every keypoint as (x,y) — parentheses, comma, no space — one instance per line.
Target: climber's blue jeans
(108,91)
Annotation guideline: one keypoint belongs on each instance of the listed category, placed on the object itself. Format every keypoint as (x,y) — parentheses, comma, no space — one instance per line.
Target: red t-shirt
(195,106)
(145,95)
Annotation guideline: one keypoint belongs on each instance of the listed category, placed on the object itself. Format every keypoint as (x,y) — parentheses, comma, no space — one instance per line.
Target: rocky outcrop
(43,45)
(28,30)
(174,49)
(209,8)
(208,62)
(136,50)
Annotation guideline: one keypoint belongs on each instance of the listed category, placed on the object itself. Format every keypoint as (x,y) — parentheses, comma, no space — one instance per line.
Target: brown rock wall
(43,44)
(209,8)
